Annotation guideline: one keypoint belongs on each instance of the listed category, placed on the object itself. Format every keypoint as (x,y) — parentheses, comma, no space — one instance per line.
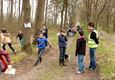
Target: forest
(58,15)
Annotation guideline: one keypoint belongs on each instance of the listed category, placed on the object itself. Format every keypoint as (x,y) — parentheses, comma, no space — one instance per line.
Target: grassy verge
(106,58)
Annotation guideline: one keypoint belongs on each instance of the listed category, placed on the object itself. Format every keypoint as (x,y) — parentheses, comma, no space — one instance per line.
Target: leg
(10,45)
(4,46)
(92,58)
(60,56)
(40,53)
(81,63)
(63,55)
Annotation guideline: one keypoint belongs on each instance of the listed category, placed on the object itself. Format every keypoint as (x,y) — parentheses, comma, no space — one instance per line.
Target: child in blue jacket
(41,45)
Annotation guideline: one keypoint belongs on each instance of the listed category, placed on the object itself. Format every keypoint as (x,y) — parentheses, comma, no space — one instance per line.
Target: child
(20,37)
(41,45)
(62,39)
(6,40)
(80,51)
(4,60)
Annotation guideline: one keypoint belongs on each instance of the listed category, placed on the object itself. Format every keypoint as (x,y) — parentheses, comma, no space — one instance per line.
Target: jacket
(41,43)
(93,39)
(62,40)
(80,46)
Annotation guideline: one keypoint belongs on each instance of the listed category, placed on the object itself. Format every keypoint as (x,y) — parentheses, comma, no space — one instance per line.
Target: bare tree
(27,32)
(11,14)
(39,21)
(2,10)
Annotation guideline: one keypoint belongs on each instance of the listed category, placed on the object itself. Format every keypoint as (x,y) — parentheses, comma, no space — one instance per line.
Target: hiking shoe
(64,64)
(91,69)
(80,72)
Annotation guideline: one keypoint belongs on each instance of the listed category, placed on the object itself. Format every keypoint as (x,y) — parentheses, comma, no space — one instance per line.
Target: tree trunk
(1,10)
(46,12)
(55,14)
(39,16)
(11,14)
(66,12)
(19,9)
(27,32)
(62,14)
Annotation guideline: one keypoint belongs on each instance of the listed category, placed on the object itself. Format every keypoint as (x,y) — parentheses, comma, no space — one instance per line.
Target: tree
(27,32)
(46,12)
(72,12)
(39,21)
(11,14)
(1,10)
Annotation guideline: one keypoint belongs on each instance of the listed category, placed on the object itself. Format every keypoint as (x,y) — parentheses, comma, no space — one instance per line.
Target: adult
(92,44)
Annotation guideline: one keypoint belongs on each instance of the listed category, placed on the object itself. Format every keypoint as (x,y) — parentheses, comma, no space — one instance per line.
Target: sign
(27,25)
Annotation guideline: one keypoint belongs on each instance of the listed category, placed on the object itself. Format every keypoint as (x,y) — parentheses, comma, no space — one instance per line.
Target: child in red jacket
(4,60)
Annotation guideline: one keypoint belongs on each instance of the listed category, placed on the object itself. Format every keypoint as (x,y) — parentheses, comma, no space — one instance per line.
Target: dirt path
(49,69)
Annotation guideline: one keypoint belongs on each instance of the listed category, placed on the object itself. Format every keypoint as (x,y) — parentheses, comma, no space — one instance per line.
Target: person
(4,60)
(20,37)
(79,28)
(93,41)
(5,39)
(80,51)
(45,32)
(41,45)
(62,40)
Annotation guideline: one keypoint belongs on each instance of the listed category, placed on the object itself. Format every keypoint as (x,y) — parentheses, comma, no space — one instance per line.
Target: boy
(62,40)
(20,37)
(80,51)
(41,45)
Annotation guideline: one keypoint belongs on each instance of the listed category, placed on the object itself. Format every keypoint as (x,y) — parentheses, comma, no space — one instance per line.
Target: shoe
(40,59)
(80,72)
(36,63)
(64,64)
(91,69)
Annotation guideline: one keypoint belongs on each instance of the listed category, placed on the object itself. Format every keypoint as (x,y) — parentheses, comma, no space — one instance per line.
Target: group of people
(42,43)
(5,59)
(80,52)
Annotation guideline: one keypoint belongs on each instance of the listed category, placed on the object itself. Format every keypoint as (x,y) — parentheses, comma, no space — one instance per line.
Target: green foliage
(105,60)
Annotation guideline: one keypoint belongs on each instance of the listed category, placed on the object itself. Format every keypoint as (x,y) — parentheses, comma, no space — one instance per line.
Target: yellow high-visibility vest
(91,42)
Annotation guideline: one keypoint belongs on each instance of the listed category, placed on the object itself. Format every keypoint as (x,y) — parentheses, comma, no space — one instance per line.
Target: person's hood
(82,38)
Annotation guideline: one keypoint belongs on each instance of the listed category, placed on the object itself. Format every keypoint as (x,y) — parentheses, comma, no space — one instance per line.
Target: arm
(77,47)
(93,36)
(66,38)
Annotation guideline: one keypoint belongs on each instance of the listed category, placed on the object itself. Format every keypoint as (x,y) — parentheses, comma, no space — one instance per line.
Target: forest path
(49,69)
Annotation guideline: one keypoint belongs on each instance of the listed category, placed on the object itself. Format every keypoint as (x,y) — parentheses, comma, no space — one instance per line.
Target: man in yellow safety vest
(93,42)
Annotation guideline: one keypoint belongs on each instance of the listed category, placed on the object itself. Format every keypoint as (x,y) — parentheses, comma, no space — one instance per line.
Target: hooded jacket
(80,46)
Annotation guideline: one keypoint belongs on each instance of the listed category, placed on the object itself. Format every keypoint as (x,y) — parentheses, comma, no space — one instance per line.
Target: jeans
(41,52)
(62,54)
(92,58)
(81,62)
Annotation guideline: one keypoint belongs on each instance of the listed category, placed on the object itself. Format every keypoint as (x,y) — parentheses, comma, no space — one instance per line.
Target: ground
(49,69)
